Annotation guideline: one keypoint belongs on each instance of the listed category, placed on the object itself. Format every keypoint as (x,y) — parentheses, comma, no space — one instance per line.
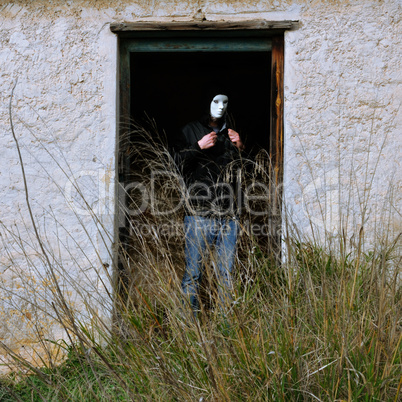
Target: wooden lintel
(202,25)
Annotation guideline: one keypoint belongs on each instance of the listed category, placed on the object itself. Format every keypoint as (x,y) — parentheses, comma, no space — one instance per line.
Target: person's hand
(208,141)
(235,138)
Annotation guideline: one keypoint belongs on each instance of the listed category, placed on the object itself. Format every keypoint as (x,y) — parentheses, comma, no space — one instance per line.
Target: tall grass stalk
(323,322)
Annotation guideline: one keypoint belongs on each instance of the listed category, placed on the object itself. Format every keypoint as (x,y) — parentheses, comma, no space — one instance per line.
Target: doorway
(162,78)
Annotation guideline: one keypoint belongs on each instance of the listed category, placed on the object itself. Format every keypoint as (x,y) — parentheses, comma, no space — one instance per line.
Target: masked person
(207,154)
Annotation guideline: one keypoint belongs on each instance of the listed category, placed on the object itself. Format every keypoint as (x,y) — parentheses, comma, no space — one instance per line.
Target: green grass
(318,327)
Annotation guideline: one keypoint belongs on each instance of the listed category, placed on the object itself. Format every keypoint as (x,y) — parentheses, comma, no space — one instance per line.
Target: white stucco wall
(342,125)
(342,118)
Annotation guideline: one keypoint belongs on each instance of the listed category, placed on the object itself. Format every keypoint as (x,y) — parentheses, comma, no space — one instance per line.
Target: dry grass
(318,323)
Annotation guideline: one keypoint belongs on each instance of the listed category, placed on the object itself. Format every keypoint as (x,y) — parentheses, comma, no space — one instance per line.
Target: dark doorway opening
(164,73)
(169,87)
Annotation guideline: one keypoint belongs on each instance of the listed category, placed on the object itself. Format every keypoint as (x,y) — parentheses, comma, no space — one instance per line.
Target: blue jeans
(200,235)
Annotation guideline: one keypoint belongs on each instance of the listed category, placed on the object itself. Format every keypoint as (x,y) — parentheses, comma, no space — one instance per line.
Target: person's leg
(197,237)
(226,251)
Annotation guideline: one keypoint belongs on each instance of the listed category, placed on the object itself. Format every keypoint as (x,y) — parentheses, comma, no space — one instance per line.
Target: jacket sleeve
(187,147)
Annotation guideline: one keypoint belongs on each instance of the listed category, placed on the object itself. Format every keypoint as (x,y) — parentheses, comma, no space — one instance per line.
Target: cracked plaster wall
(342,133)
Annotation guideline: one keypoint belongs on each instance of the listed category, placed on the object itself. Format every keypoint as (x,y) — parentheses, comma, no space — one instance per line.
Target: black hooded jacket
(209,174)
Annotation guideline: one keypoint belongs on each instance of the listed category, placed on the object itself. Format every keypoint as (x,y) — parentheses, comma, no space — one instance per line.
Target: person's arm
(187,152)
(236,140)
(208,141)
(186,148)
(189,148)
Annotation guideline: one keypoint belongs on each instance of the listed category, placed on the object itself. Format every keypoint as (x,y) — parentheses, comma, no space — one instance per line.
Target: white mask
(218,106)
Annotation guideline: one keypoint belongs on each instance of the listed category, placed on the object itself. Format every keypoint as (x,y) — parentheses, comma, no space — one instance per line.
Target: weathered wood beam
(202,26)
(277,109)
